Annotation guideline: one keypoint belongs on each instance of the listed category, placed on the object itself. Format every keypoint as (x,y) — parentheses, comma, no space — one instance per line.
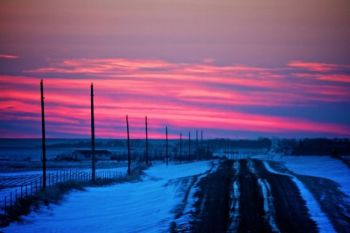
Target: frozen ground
(142,206)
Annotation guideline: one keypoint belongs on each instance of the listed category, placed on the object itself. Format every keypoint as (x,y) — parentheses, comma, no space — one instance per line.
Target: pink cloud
(8,56)
(316,66)
(335,78)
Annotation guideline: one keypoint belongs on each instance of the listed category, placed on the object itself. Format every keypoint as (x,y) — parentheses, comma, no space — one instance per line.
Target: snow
(143,206)
(31,179)
(234,195)
(251,167)
(234,208)
(315,211)
(321,166)
(268,204)
(187,216)
(236,167)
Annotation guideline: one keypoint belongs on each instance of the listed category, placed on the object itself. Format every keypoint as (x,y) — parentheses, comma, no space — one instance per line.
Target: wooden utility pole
(93,165)
(201,138)
(147,161)
(128,137)
(189,145)
(166,146)
(180,145)
(197,155)
(43,136)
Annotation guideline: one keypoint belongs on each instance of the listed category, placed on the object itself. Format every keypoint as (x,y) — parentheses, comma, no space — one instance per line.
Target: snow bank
(321,166)
(315,211)
(144,206)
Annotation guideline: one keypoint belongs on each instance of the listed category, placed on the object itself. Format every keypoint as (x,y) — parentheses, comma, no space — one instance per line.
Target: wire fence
(14,187)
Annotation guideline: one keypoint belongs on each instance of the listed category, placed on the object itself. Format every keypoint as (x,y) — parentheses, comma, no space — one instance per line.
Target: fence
(16,186)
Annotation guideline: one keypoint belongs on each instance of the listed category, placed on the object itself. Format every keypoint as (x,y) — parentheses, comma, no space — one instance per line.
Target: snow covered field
(142,206)
(320,166)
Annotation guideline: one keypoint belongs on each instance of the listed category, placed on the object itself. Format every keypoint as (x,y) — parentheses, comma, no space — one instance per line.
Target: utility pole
(197,155)
(201,146)
(166,145)
(93,165)
(189,145)
(128,137)
(180,145)
(43,136)
(201,138)
(147,161)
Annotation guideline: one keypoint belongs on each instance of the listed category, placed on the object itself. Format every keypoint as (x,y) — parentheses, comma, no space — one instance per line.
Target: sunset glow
(235,84)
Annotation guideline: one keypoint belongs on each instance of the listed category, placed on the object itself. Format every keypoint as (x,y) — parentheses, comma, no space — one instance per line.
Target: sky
(237,69)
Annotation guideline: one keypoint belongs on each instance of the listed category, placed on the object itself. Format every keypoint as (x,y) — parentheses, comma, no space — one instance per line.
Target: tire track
(234,199)
(243,196)
(269,207)
(291,213)
(251,201)
(211,208)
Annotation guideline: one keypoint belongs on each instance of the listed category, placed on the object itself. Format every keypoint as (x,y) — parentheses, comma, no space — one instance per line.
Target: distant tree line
(216,144)
(315,146)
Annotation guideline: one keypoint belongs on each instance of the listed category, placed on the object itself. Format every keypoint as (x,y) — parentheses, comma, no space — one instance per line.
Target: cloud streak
(181,95)
(8,56)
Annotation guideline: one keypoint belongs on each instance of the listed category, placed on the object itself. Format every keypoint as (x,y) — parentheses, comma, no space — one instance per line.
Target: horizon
(186,138)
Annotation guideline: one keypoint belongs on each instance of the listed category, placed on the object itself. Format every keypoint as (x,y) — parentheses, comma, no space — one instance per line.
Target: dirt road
(244,196)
